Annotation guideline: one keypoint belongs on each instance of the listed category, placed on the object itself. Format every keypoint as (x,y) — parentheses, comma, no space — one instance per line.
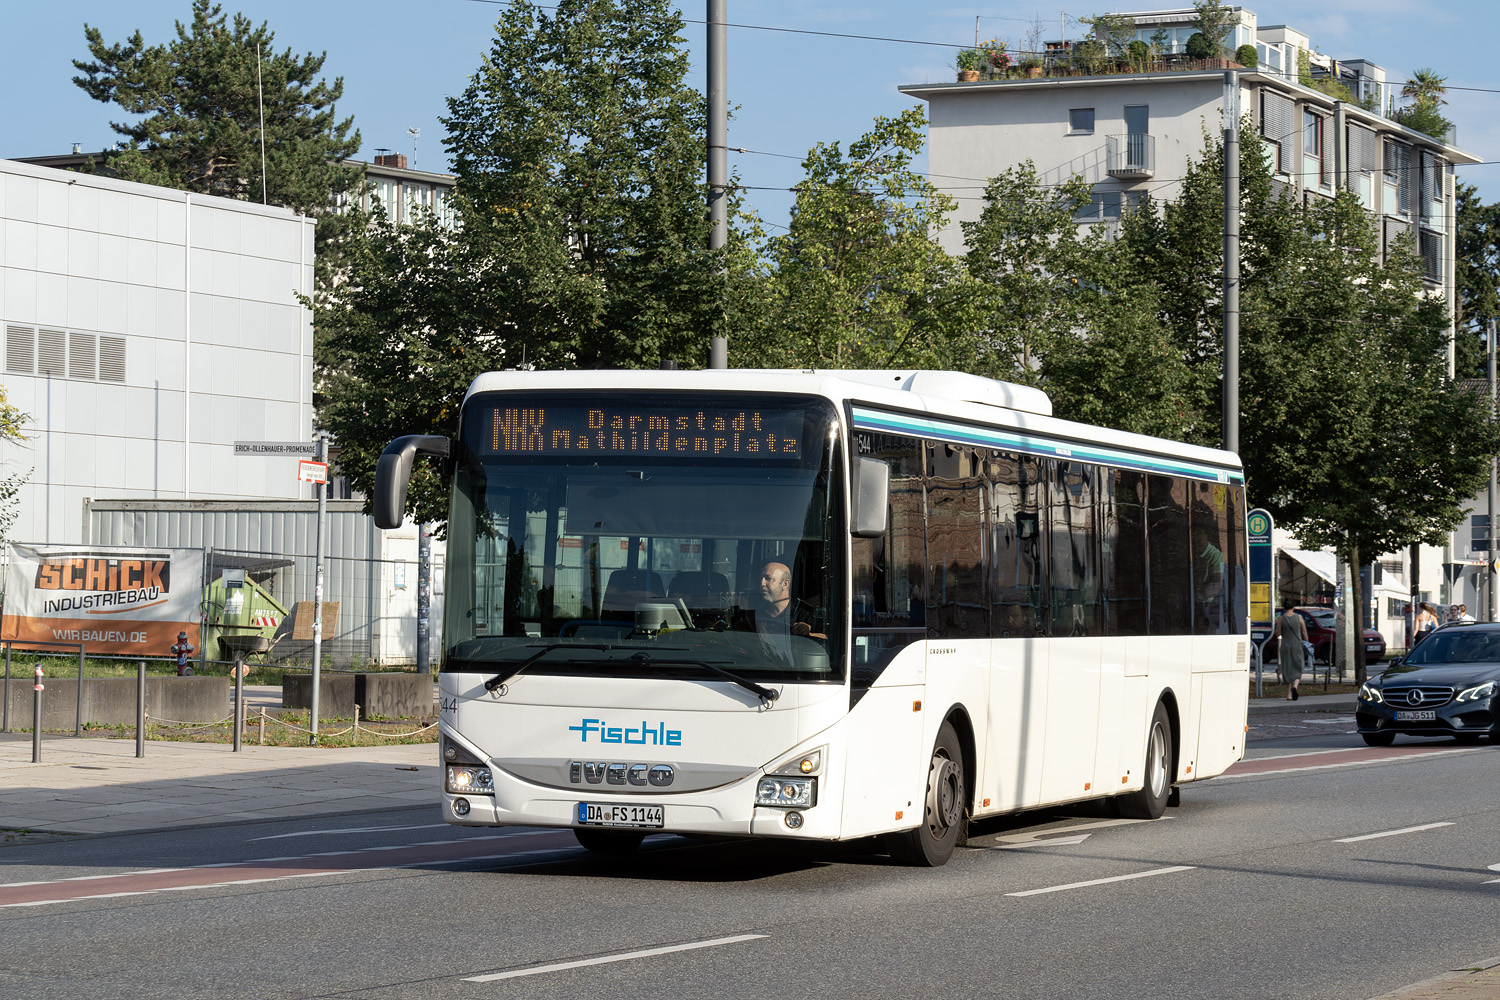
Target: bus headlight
(466,779)
(787,793)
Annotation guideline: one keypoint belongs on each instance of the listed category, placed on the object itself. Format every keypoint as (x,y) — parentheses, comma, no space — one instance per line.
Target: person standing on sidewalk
(1291,655)
(1425,623)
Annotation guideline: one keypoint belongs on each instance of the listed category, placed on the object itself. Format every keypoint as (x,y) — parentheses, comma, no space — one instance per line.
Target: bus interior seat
(628,587)
(700,588)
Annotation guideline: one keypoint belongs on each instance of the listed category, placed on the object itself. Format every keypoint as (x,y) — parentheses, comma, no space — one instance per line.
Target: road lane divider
(137,883)
(1390,833)
(1104,881)
(1324,759)
(607,959)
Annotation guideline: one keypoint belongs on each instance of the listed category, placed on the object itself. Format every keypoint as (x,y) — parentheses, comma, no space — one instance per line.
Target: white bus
(823,606)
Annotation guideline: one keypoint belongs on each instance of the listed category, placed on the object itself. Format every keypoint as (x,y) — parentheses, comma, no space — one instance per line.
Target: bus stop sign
(1258,527)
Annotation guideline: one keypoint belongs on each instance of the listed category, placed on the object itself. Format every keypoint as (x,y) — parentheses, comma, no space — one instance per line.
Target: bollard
(140,709)
(355,730)
(262,727)
(78,716)
(239,699)
(36,717)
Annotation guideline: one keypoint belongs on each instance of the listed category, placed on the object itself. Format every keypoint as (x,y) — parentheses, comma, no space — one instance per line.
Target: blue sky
(400,61)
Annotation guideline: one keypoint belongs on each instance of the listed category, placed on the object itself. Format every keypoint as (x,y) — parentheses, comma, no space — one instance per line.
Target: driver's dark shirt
(763,618)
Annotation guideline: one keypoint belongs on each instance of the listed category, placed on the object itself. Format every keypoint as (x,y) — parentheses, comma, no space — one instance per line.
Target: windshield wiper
(766,695)
(504,676)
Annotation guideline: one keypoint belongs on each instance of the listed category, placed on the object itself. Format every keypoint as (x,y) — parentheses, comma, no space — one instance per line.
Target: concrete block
(111,701)
(394,695)
(335,694)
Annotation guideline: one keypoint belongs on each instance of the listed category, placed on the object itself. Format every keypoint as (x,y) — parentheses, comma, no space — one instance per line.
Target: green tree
(1113,31)
(582,238)
(859,281)
(1215,21)
(196,117)
(1426,91)
(579,149)
(1478,267)
(1354,436)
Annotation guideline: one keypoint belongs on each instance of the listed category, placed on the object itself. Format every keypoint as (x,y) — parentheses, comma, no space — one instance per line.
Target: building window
(1081,121)
(1276,128)
(1397,169)
(1317,166)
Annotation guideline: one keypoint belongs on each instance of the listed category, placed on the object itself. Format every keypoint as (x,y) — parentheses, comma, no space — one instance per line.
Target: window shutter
(20,343)
(52,353)
(1361,149)
(1432,185)
(1275,116)
(1432,256)
(111,359)
(83,356)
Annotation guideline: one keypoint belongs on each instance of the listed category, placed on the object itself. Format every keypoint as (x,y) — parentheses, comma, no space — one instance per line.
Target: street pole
(1231,261)
(317,667)
(1489,555)
(718,155)
(424,599)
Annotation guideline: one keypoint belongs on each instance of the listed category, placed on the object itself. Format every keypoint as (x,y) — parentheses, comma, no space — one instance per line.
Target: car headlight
(787,793)
(1370,693)
(1477,692)
(466,779)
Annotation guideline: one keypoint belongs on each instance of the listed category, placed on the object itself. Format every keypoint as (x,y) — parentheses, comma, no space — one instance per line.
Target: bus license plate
(1416,716)
(594,814)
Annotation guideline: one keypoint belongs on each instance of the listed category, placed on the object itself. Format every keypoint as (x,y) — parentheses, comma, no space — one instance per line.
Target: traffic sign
(272,449)
(312,472)
(1258,526)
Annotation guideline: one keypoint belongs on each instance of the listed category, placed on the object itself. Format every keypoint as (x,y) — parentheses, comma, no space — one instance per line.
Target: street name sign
(272,449)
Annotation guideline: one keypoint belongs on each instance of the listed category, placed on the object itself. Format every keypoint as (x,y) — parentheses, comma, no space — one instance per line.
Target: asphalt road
(1309,874)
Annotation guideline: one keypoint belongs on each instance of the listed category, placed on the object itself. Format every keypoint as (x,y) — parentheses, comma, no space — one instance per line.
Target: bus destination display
(696,431)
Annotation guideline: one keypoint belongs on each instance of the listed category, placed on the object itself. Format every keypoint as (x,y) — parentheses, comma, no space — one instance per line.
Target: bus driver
(779,613)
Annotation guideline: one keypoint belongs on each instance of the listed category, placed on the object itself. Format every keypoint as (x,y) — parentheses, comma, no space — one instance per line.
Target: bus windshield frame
(628,556)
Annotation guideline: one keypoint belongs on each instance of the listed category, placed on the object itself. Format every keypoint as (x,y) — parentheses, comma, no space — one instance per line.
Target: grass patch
(282,729)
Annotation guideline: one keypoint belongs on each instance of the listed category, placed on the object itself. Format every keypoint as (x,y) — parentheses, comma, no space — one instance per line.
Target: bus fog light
(793,820)
(800,793)
(469,780)
(460,807)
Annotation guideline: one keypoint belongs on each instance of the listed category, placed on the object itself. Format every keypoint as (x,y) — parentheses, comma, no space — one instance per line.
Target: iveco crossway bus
(823,605)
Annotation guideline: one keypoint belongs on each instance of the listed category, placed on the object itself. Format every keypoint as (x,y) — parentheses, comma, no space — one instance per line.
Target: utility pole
(1492,572)
(1231,261)
(718,153)
(317,653)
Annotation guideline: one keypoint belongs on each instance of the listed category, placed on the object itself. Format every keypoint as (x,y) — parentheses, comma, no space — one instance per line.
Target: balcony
(1131,157)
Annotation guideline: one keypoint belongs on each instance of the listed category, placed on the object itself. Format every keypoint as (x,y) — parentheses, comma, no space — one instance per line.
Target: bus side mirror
(394,472)
(872,498)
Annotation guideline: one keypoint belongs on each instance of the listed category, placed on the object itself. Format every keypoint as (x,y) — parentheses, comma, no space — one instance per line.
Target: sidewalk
(96,785)
(1481,981)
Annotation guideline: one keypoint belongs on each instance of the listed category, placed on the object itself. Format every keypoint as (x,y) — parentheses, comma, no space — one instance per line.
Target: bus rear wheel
(1151,801)
(944,810)
(615,843)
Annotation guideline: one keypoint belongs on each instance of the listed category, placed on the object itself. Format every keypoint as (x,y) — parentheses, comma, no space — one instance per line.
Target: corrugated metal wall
(285,530)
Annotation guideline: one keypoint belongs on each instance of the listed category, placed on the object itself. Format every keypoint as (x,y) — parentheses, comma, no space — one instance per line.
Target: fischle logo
(643,735)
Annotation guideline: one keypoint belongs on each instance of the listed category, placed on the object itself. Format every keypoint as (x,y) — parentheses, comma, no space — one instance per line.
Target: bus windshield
(645,534)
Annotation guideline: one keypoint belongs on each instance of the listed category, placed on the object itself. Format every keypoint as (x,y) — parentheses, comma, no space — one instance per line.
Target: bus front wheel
(944,812)
(612,842)
(1151,801)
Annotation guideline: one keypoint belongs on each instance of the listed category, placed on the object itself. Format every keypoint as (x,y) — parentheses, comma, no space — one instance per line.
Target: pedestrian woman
(1291,655)
(1425,623)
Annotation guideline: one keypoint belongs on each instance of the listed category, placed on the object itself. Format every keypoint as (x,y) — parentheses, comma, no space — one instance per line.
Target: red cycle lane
(1342,758)
(272,869)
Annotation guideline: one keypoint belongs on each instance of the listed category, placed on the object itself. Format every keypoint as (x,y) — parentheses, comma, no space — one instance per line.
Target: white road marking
(1390,833)
(353,829)
(606,959)
(1102,881)
(1048,842)
(1036,837)
(1345,763)
(1493,868)
(1340,720)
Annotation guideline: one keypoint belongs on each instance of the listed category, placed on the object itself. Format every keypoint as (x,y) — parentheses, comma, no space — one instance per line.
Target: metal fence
(370,604)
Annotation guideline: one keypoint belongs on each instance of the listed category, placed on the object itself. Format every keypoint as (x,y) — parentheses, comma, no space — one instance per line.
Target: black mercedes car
(1446,686)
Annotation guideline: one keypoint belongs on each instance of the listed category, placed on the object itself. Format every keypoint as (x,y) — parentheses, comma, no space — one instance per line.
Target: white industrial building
(146,330)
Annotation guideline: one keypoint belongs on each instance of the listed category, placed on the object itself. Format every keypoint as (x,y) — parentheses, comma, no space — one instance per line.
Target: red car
(1322,625)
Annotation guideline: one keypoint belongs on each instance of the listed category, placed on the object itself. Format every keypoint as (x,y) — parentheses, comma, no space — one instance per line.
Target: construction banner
(114,600)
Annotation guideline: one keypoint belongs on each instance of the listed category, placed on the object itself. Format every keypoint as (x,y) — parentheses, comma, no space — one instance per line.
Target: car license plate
(595,814)
(1372,649)
(1416,716)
